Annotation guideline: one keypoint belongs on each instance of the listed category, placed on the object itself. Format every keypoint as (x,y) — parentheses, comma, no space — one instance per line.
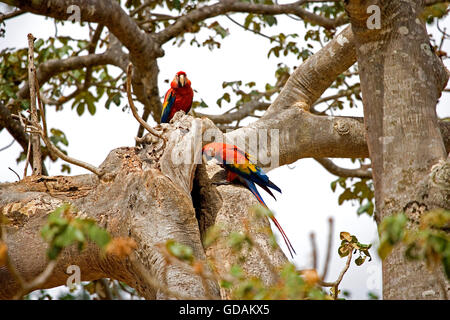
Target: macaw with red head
(239,168)
(178,97)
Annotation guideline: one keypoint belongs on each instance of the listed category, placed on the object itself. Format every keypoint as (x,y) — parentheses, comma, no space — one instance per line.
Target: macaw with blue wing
(178,97)
(238,167)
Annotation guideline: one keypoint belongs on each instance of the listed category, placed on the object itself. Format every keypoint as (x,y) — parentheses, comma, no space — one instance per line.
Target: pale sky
(307,200)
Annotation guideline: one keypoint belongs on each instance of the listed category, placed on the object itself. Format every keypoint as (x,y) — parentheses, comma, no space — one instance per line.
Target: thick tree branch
(307,83)
(108,13)
(227,6)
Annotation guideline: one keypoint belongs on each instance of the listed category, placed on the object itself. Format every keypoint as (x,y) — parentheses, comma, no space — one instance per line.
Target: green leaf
(236,271)
(366,208)
(360,260)
(91,108)
(98,235)
(226,284)
(346,195)
(344,250)
(333,185)
(236,240)
(38,44)
(179,250)
(80,108)
(67,237)
(53,252)
(271,20)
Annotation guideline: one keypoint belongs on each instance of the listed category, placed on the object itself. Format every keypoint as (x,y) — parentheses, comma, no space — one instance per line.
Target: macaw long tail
(253,189)
(285,238)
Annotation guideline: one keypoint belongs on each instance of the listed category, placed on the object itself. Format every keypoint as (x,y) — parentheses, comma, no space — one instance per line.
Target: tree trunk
(401,81)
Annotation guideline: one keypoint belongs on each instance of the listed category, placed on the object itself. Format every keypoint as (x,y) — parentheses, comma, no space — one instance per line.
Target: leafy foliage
(360,191)
(350,243)
(291,283)
(429,242)
(63,229)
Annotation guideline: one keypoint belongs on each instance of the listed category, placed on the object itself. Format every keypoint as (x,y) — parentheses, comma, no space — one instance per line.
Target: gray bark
(401,81)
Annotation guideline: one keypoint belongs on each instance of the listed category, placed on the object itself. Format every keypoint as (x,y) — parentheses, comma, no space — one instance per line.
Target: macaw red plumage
(178,97)
(238,167)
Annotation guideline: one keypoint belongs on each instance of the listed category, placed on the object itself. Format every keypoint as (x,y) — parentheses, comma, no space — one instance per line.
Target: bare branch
(329,248)
(9,145)
(35,141)
(343,172)
(312,237)
(335,284)
(13,14)
(246,110)
(226,6)
(251,30)
(17,175)
(133,107)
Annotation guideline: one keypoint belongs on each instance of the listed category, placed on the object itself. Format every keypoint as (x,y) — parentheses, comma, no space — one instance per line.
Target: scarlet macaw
(178,97)
(238,167)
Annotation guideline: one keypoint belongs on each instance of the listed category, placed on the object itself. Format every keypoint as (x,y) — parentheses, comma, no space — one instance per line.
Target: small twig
(9,145)
(335,284)
(251,30)
(108,293)
(18,177)
(312,237)
(133,107)
(28,158)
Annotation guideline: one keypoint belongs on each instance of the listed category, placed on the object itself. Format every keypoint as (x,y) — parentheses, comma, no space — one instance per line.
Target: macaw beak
(181,80)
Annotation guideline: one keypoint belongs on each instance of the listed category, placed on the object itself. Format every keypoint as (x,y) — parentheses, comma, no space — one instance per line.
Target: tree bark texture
(401,81)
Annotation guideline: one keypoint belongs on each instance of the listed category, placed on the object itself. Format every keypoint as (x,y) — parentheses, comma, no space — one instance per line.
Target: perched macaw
(178,97)
(238,167)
